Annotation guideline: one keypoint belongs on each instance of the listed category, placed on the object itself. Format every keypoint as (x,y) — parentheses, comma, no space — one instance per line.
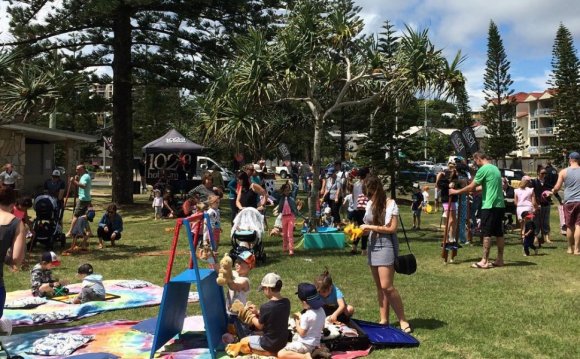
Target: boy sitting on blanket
(41,280)
(92,287)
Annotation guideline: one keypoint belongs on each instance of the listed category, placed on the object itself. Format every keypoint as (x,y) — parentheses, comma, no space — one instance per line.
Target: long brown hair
(373,187)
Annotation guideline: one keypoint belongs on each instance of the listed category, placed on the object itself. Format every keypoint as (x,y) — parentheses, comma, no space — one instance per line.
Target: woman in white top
(381,222)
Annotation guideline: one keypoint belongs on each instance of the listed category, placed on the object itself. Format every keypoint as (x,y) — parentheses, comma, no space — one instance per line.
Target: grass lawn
(527,309)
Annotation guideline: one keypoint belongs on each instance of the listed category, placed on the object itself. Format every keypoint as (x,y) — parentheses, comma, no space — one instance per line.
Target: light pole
(425,127)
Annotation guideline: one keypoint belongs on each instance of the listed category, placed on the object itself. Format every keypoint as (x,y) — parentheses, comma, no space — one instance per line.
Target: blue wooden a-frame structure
(172,310)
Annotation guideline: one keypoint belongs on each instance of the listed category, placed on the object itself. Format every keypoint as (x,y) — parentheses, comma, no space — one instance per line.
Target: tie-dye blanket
(58,312)
(120,339)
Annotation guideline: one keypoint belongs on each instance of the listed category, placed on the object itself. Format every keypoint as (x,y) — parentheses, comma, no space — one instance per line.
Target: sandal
(408,329)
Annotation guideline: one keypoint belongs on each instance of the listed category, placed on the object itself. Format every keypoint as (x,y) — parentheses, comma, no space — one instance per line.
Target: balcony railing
(543,112)
(543,131)
(538,150)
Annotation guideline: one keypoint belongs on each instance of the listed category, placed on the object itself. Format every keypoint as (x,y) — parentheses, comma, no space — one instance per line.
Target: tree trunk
(313,199)
(122,110)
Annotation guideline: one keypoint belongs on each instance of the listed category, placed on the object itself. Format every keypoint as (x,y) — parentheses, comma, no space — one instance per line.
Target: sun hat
(50,257)
(85,269)
(56,173)
(269,281)
(308,293)
(247,257)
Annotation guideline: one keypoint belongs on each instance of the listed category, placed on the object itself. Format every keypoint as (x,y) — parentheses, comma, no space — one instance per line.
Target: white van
(207,164)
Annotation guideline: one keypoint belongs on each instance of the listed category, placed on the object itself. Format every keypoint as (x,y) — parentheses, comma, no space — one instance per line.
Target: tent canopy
(172,141)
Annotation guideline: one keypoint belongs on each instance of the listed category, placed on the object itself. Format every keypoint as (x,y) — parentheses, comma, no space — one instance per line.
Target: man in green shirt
(82,181)
(492,208)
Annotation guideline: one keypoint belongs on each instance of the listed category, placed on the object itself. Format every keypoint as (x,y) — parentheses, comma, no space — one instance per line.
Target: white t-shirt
(425,197)
(392,210)
(313,321)
(242,296)
(350,202)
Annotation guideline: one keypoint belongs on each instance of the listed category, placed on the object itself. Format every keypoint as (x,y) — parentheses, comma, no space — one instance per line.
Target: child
(309,325)
(157,203)
(82,231)
(41,280)
(350,202)
(287,207)
(271,319)
(240,288)
(416,207)
(528,233)
(92,286)
(277,230)
(425,197)
(327,220)
(335,306)
(213,212)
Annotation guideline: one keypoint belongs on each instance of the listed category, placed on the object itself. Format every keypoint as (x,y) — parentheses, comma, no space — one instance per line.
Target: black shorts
(492,222)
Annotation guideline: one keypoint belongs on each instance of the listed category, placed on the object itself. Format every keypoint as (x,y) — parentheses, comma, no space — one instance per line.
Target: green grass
(527,309)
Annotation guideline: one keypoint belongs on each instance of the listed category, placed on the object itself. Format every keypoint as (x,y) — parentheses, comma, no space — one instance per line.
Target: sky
(527,28)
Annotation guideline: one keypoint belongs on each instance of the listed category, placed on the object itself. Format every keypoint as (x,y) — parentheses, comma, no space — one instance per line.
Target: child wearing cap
(528,233)
(327,219)
(82,231)
(334,304)
(271,319)
(309,325)
(41,279)
(240,287)
(92,288)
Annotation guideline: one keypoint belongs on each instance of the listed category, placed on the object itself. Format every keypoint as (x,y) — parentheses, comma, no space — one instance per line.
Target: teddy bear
(245,312)
(225,273)
(353,232)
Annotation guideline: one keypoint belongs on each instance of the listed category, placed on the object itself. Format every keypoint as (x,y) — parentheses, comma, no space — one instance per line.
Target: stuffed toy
(245,312)
(241,347)
(225,274)
(353,232)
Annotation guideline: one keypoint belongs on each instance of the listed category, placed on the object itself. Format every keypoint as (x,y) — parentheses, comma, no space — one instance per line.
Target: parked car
(512,174)
(417,173)
(427,164)
(439,167)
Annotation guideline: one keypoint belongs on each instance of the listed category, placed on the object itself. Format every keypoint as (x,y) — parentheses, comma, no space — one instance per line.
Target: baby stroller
(247,233)
(47,223)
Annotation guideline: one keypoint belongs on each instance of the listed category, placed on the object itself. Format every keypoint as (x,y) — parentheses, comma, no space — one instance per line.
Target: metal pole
(425,128)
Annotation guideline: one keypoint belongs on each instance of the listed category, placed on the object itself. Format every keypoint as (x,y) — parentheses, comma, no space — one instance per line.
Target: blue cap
(91,215)
(308,293)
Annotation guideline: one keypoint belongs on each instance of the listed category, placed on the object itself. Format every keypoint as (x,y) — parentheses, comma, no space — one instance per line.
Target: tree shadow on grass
(507,263)
(427,323)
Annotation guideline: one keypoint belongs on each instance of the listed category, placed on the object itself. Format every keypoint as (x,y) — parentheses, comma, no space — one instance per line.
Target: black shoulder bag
(405,264)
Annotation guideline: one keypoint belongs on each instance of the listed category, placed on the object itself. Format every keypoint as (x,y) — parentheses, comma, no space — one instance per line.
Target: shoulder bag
(407,263)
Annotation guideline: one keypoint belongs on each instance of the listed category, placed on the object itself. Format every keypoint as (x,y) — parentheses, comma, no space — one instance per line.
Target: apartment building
(540,123)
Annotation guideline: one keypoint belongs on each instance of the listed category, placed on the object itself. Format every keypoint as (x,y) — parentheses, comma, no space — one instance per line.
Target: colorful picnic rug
(60,312)
(118,338)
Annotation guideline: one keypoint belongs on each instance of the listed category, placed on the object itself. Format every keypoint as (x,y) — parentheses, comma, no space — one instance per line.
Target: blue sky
(527,28)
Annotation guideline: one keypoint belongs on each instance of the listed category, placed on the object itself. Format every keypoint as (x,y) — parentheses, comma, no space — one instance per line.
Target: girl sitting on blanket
(92,288)
(334,306)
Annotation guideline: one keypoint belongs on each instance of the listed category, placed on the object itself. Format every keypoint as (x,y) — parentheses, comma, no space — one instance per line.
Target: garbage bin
(136,187)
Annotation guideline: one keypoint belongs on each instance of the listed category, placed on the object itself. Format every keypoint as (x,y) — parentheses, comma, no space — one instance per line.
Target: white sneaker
(5,327)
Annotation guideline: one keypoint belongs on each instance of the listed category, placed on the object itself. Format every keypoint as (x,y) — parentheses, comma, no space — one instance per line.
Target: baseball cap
(308,293)
(85,269)
(50,257)
(269,281)
(56,173)
(330,171)
(327,210)
(247,257)
(574,156)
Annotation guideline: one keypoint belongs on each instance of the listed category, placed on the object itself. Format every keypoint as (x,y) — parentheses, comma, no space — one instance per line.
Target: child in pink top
(287,206)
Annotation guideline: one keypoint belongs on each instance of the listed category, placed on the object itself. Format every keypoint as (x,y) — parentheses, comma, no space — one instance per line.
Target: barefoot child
(309,325)
(157,203)
(81,232)
(335,306)
(92,286)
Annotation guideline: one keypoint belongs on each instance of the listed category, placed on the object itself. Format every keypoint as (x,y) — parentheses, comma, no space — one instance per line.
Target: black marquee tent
(172,155)
(172,141)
